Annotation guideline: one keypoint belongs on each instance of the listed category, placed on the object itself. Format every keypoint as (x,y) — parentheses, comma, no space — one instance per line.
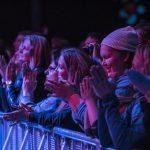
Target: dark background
(72,20)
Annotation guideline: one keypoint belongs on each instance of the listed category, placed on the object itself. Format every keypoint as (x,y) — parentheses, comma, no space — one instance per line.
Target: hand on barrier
(21,114)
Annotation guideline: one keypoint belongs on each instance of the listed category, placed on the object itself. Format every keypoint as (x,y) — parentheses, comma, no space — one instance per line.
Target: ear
(126,57)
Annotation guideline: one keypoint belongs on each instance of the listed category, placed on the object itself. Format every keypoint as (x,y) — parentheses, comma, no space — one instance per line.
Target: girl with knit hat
(120,122)
(117,51)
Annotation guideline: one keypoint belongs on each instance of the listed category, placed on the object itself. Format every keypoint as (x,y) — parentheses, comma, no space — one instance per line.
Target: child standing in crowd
(123,126)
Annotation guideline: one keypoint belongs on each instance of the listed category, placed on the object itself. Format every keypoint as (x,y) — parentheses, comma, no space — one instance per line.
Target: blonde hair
(41,51)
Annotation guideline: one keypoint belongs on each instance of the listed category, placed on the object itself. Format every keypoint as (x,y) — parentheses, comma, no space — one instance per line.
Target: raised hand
(141,82)
(101,86)
(62,89)
(29,83)
(25,69)
(3,66)
(11,71)
(19,114)
(14,116)
(96,49)
(86,89)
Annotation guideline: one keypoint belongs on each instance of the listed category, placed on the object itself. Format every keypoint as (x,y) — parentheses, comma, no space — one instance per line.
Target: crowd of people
(101,87)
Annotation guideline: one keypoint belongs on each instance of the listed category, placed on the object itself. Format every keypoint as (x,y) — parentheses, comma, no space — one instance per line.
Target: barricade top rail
(64,133)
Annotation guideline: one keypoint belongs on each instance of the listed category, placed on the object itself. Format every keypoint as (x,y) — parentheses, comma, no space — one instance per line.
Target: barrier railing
(28,136)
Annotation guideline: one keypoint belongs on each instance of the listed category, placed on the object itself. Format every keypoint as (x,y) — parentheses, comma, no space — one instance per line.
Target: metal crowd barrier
(28,136)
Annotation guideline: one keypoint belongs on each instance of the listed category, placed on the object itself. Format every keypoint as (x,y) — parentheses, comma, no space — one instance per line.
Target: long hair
(20,38)
(77,63)
(40,52)
(143,56)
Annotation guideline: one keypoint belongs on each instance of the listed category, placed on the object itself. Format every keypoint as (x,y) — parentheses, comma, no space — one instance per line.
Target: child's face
(61,69)
(51,73)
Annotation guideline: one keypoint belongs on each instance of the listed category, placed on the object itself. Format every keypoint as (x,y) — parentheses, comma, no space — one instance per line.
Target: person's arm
(89,98)
(13,84)
(4,106)
(12,94)
(28,87)
(124,132)
(79,113)
(51,119)
(40,92)
(103,132)
(123,135)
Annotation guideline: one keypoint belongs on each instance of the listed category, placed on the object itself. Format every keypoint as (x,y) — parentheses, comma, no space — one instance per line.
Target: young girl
(34,51)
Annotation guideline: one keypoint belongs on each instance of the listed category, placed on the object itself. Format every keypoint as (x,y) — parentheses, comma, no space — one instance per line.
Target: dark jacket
(54,117)
(120,130)
(4,106)
(14,90)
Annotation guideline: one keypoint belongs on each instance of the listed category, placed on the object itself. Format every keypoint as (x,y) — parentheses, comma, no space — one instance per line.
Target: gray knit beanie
(124,39)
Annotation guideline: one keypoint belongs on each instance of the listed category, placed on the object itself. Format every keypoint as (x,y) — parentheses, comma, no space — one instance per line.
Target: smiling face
(112,61)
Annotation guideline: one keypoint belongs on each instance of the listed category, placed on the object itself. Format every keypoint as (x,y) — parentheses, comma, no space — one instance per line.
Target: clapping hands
(86,89)
(100,83)
(3,66)
(61,89)
(29,80)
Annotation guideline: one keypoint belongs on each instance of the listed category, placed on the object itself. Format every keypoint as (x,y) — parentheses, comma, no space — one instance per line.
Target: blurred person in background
(91,46)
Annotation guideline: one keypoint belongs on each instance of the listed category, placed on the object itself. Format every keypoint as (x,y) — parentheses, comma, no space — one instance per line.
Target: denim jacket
(120,130)
(56,115)
(123,90)
(14,91)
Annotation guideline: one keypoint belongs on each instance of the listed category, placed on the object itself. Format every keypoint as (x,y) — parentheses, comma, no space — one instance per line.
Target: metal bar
(63,144)
(42,140)
(24,139)
(59,138)
(8,136)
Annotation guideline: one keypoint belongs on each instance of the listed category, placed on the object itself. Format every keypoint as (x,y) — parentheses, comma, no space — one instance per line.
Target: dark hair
(59,43)
(94,35)
(55,55)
